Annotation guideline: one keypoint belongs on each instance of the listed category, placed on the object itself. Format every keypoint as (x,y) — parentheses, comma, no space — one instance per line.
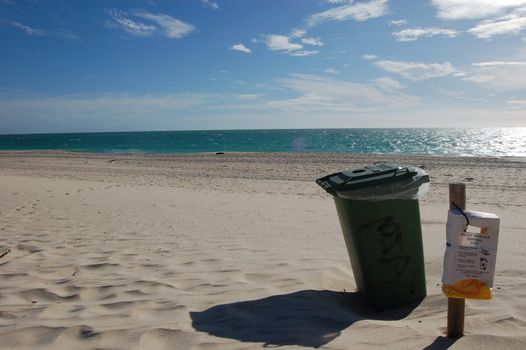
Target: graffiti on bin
(392,254)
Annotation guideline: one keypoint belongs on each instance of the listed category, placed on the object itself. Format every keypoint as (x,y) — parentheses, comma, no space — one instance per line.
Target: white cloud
(516,105)
(416,70)
(303,53)
(521,103)
(292,44)
(130,26)
(509,25)
(65,33)
(389,84)
(169,26)
(412,34)
(29,30)
(499,75)
(479,78)
(459,74)
(327,94)
(160,24)
(369,57)
(211,4)
(59,32)
(502,17)
(500,63)
(399,22)
(358,11)
(240,47)
(475,9)
(281,43)
(248,97)
(331,71)
(298,33)
(312,41)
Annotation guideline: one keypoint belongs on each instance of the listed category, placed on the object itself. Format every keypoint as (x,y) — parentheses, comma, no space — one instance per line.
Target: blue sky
(72,66)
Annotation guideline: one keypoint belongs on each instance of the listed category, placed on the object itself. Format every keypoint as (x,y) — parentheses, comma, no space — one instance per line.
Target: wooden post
(455,306)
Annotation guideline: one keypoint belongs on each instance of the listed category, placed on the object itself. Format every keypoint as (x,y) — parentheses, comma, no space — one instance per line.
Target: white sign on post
(471,252)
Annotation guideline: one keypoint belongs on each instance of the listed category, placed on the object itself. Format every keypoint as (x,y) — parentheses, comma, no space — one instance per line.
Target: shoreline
(220,152)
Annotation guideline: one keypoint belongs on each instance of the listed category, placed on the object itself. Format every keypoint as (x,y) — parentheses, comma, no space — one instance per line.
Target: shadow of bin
(380,218)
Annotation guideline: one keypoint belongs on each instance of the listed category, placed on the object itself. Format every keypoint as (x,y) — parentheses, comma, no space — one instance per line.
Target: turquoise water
(496,142)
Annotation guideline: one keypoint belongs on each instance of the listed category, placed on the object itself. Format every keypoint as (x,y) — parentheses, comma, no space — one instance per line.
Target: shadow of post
(441,343)
(309,318)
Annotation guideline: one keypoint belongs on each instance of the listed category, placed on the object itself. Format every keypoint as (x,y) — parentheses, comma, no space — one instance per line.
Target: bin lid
(379,179)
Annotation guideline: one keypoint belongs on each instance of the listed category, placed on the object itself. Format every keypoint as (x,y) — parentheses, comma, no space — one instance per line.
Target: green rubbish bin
(380,218)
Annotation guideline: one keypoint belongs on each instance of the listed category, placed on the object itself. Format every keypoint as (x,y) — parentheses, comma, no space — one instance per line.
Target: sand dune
(233,251)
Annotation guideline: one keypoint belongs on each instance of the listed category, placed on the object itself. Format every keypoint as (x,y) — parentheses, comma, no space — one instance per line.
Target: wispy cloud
(303,53)
(475,9)
(134,27)
(157,24)
(331,71)
(328,94)
(358,11)
(211,4)
(369,57)
(503,17)
(499,63)
(66,34)
(169,26)
(111,111)
(59,33)
(417,70)
(248,97)
(111,101)
(499,75)
(399,22)
(509,25)
(412,34)
(296,42)
(30,30)
(298,33)
(285,44)
(312,41)
(481,79)
(517,104)
(389,84)
(240,47)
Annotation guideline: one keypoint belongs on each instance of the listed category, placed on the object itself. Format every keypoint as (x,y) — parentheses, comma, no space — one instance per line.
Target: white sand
(233,251)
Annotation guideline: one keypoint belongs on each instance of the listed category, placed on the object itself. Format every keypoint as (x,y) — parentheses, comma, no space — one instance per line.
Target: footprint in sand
(4,251)
(28,248)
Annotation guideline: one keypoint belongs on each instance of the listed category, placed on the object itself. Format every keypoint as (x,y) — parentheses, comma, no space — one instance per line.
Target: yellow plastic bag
(469,288)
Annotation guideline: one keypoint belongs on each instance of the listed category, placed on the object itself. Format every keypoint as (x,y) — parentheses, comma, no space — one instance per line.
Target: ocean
(485,142)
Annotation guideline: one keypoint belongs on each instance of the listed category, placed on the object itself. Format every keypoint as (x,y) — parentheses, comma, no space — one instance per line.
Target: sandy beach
(229,251)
